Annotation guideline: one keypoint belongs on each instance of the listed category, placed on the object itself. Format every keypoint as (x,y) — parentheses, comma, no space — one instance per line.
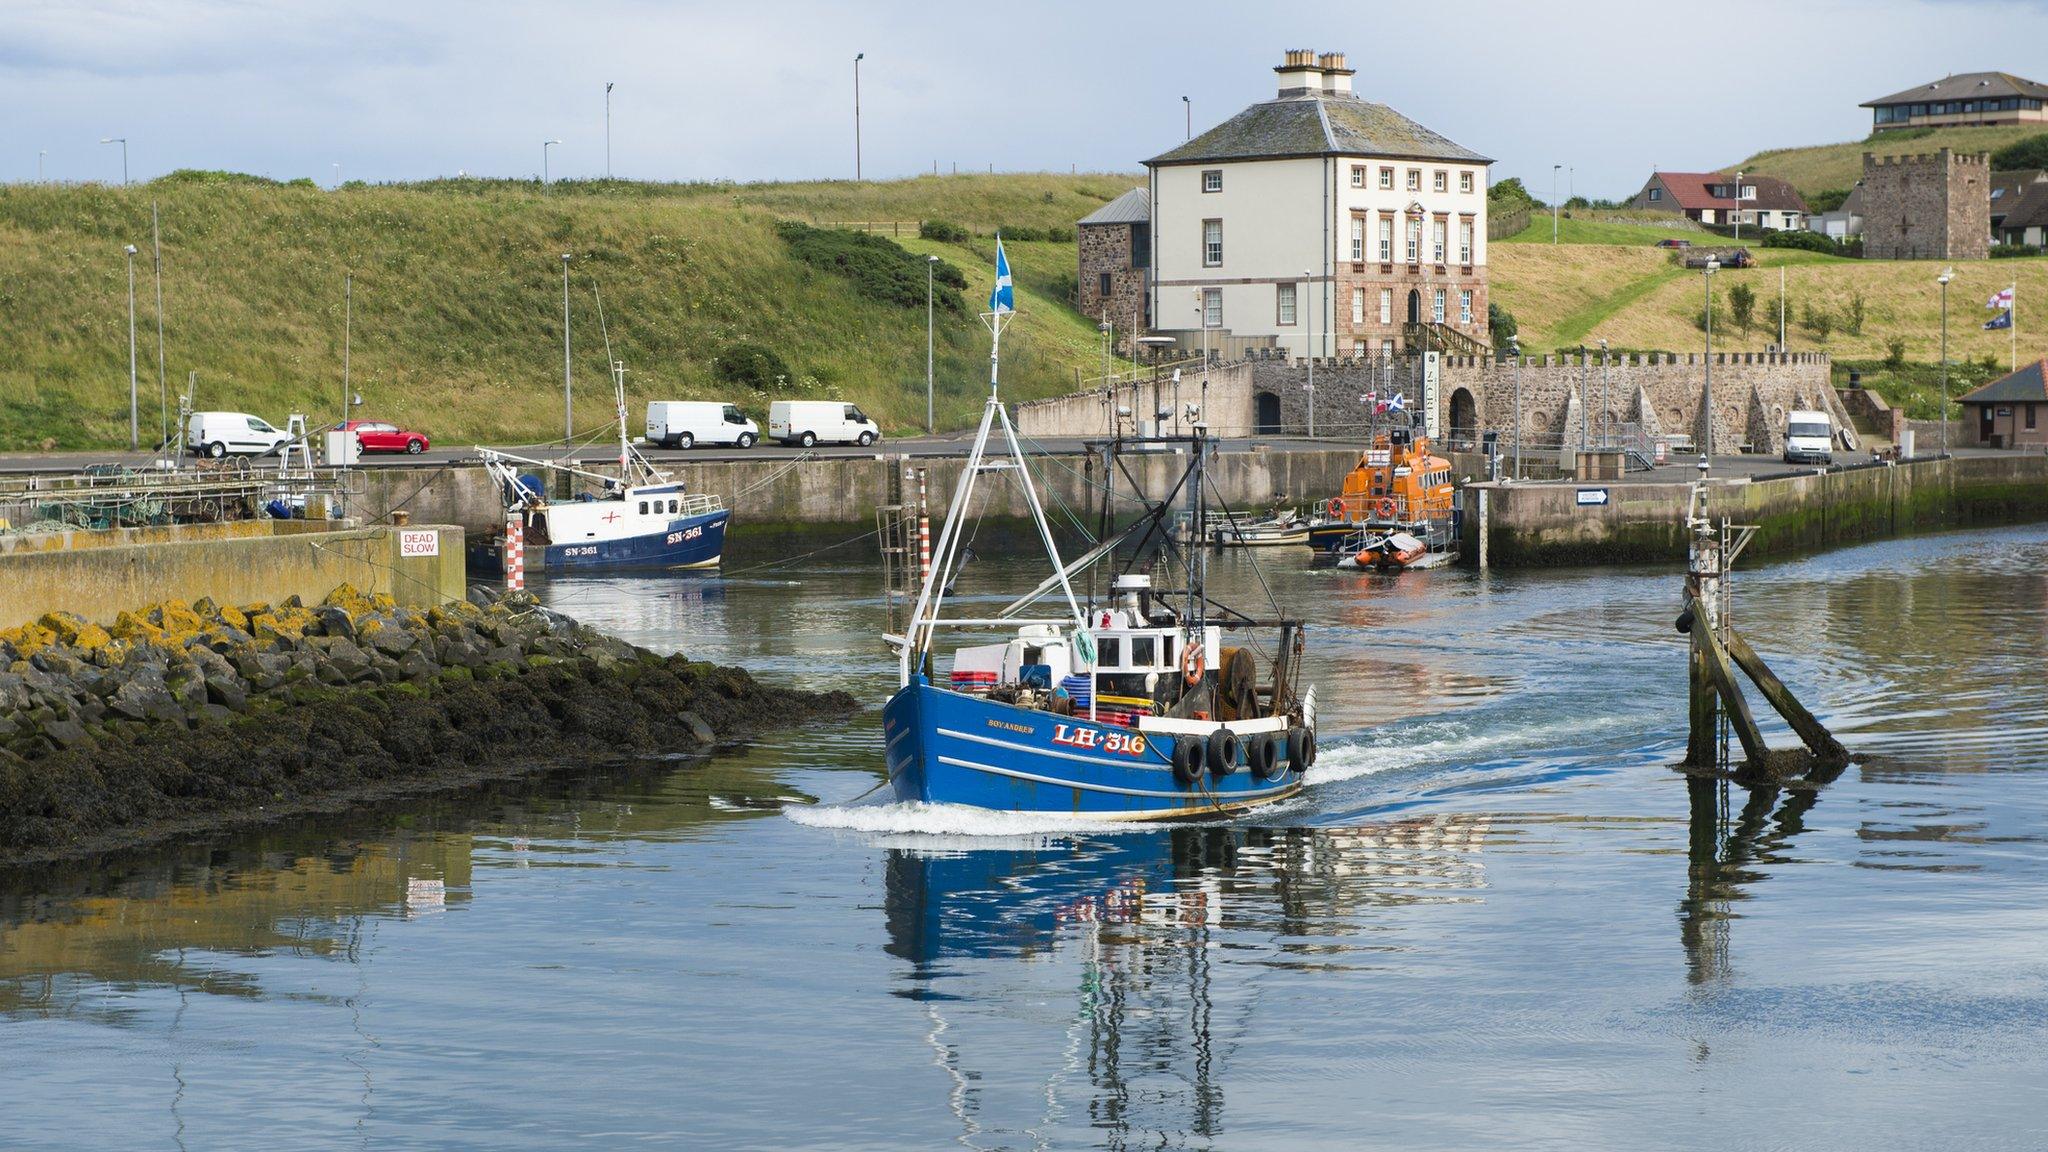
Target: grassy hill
(458,299)
(1838,166)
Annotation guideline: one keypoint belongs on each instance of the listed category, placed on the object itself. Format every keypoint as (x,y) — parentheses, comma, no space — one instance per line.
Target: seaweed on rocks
(190,718)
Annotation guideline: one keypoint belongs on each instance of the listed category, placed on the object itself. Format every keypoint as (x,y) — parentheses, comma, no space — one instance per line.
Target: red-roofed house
(1709,197)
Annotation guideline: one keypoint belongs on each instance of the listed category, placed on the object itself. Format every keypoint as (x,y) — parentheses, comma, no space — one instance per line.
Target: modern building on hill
(1927,207)
(1970,99)
(1317,222)
(1762,202)
(2011,411)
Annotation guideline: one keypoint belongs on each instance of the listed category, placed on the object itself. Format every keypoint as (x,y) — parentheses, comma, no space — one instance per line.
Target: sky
(392,90)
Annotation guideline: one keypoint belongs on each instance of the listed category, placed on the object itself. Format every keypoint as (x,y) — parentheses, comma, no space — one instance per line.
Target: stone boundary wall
(1535,525)
(100,583)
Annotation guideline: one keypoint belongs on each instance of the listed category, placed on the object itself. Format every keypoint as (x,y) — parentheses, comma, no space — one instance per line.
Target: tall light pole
(857,58)
(163,387)
(544,146)
(1307,289)
(123,142)
(134,425)
(608,129)
(1554,170)
(1947,275)
(1738,207)
(930,263)
(1707,400)
(1515,350)
(1188,108)
(39,163)
(568,407)
(337,174)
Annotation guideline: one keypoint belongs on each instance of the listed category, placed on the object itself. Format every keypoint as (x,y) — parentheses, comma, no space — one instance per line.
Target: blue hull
(687,542)
(946,747)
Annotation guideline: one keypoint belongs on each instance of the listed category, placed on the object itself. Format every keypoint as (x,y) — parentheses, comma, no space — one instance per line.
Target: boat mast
(619,396)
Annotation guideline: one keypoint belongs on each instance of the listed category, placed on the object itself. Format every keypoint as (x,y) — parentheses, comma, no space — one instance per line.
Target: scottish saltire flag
(2002,320)
(1396,401)
(2000,299)
(1002,298)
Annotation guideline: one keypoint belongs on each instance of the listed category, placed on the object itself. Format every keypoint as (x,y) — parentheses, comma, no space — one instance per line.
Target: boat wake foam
(1442,741)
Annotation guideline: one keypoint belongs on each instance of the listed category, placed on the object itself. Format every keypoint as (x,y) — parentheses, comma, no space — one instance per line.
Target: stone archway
(1464,425)
(1266,414)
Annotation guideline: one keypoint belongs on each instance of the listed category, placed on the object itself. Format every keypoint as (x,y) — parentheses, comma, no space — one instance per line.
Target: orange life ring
(1193,662)
(1387,506)
(1335,507)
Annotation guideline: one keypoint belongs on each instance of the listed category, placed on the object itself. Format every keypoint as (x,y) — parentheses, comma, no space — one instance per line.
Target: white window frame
(1414,239)
(1465,182)
(1386,178)
(1386,239)
(1358,239)
(1465,231)
(1212,179)
(1283,304)
(1464,306)
(1212,243)
(1415,179)
(1212,307)
(1441,182)
(1437,301)
(1358,305)
(1386,305)
(1358,175)
(1439,239)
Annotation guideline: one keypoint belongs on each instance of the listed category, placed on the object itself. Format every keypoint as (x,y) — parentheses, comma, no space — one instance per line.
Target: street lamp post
(544,146)
(39,163)
(608,129)
(134,422)
(123,142)
(1707,400)
(1188,109)
(930,263)
(1738,207)
(1308,289)
(1515,350)
(1947,275)
(337,174)
(1554,169)
(568,408)
(857,58)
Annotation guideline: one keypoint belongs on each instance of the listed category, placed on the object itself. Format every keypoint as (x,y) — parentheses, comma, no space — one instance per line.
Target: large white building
(1331,224)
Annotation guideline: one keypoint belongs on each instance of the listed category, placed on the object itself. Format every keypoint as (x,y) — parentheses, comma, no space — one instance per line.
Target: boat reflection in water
(1171,931)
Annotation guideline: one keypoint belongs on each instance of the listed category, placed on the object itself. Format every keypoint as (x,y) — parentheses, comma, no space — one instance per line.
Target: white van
(809,422)
(688,423)
(1809,438)
(218,434)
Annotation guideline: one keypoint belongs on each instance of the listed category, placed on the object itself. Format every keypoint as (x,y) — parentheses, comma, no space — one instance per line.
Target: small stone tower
(1926,207)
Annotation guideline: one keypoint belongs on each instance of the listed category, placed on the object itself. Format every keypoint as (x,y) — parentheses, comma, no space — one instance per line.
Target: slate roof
(1965,86)
(1320,125)
(1133,207)
(1689,190)
(2028,384)
(2030,210)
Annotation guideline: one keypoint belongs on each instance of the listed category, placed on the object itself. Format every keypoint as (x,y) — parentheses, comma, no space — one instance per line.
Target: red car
(382,436)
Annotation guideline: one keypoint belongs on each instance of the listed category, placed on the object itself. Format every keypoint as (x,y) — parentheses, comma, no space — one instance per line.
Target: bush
(2031,152)
(753,366)
(880,269)
(2013,251)
(1853,324)
(1809,241)
(1895,353)
(1508,195)
(1827,200)
(1502,323)
(1742,303)
(944,231)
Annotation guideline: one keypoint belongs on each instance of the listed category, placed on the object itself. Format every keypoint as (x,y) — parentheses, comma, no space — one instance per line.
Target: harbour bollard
(515,553)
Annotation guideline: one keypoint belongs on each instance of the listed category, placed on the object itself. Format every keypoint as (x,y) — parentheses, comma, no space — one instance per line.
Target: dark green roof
(1317,126)
(2027,384)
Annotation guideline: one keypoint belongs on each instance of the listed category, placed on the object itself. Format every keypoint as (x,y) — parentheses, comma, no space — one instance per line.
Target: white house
(1334,225)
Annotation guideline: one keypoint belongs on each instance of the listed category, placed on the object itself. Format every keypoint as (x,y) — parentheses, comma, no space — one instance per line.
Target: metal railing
(117,497)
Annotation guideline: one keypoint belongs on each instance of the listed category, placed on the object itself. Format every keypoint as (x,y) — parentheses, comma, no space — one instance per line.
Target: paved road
(919,446)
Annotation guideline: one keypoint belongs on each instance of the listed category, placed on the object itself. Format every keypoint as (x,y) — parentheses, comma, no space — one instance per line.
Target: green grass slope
(1838,166)
(458,300)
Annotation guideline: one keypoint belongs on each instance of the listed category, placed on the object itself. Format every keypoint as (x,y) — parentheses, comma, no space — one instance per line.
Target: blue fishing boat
(641,518)
(1134,708)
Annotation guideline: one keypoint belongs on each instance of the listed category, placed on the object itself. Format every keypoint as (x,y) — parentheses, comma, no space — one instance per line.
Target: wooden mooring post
(1716,702)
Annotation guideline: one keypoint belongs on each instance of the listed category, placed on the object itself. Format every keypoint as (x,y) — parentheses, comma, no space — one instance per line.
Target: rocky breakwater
(190,717)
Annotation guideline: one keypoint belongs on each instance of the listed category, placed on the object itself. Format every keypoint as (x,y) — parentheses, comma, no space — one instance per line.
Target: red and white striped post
(924,534)
(515,553)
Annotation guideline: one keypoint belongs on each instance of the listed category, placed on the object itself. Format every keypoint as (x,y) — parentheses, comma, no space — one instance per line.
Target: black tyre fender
(1187,760)
(1297,748)
(1265,757)
(1223,747)
(1308,752)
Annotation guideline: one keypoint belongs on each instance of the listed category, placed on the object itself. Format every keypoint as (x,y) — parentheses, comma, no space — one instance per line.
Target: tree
(1509,195)
(1854,325)
(2031,152)
(1502,324)
(1742,304)
(1827,200)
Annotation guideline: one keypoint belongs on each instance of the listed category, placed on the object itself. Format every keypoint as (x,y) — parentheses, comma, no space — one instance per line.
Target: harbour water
(1497,918)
